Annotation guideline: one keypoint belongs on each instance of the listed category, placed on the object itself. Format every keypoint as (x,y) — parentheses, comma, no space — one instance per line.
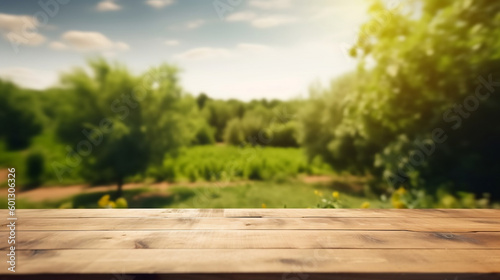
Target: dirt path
(3,175)
(61,192)
(317,179)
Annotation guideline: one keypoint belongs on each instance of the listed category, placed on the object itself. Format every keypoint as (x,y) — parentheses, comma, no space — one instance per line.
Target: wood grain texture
(263,260)
(285,244)
(255,213)
(164,223)
(257,239)
(260,276)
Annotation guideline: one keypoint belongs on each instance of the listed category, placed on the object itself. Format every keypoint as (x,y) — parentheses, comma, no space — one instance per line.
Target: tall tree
(429,66)
(117,123)
(425,97)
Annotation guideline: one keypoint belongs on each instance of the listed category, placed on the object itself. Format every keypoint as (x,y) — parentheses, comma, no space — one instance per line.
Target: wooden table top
(284,244)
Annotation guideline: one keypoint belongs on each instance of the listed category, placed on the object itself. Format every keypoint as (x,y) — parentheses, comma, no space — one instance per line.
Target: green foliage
(121,203)
(105,202)
(35,165)
(422,65)
(443,198)
(204,135)
(201,100)
(123,123)
(426,65)
(256,195)
(254,171)
(218,113)
(228,163)
(262,126)
(18,120)
(324,130)
(327,202)
(283,135)
(233,134)
(169,171)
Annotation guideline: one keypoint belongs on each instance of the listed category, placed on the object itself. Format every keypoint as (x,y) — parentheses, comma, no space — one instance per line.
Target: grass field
(193,164)
(229,163)
(241,195)
(222,176)
(216,176)
(256,195)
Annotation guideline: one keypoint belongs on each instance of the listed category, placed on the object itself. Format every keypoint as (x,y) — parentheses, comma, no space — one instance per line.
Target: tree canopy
(422,112)
(116,124)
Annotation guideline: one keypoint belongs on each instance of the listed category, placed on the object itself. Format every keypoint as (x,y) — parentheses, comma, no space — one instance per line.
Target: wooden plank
(364,213)
(260,276)
(249,213)
(254,244)
(261,239)
(258,261)
(114,213)
(414,224)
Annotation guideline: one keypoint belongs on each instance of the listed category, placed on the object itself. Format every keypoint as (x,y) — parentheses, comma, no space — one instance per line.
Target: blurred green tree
(35,165)
(18,120)
(117,124)
(427,85)
(432,62)
(201,100)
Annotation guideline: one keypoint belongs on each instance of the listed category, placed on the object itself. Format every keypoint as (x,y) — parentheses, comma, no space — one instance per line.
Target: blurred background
(250,104)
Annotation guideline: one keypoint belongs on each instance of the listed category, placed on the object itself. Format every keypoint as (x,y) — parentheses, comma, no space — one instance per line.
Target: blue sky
(258,49)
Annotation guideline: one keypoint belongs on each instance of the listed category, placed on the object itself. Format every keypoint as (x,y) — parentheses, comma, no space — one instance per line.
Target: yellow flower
(104,201)
(264,205)
(401,191)
(121,203)
(365,205)
(316,192)
(399,205)
(335,195)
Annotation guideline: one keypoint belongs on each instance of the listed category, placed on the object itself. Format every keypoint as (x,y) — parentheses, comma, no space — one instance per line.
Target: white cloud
(195,24)
(252,47)
(272,21)
(121,46)
(263,21)
(241,16)
(56,45)
(108,5)
(20,29)
(29,78)
(270,4)
(204,53)
(171,43)
(158,4)
(87,41)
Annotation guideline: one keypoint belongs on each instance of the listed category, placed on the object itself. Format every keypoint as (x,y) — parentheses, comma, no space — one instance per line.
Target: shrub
(233,134)
(121,203)
(35,164)
(283,135)
(204,136)
(254,172)
(169,171)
